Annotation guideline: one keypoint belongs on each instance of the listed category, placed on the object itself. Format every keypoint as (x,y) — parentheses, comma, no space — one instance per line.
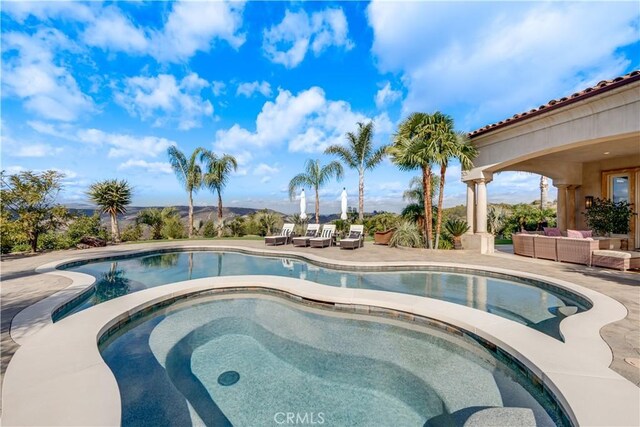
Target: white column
(562,206)
(481,215)
(471,204)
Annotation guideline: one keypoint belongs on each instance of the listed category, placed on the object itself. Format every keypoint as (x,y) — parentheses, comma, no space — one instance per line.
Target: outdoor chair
(281,239)
(355,238)
(326,237)
(303,241)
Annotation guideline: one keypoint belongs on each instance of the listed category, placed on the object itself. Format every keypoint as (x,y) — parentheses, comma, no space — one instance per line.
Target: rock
(92,242)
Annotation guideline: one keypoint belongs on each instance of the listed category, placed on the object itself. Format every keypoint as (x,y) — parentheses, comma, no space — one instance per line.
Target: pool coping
(581,331)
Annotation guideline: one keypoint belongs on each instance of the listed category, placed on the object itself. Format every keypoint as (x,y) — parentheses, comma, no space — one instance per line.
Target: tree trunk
(544,187)
(190,214)
(317,207)
(219,214)
(428,215)
(115,230)
(443,171)
(34,242)
(361,197)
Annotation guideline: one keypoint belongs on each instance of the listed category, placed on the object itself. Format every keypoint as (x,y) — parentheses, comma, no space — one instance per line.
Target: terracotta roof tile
(602,86)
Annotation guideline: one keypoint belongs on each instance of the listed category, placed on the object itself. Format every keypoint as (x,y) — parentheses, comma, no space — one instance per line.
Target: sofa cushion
(552,231)
(574,234)
(617,254)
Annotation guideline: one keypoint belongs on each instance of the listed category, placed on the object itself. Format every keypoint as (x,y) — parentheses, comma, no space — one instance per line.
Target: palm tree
(315,176)
(216,176)
(112,196)
(359,155)
(156,219)
(189,174)
(414,148)
(414,211)
(449,145)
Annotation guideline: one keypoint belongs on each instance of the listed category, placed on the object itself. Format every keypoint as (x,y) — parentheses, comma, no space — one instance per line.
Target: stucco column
(571,207)
(471,204)
(562,206)
(481,215)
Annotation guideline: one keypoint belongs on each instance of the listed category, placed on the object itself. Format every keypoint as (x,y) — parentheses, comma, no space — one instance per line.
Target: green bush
(407,235)
(606,216)
(21,247)
(173,228)
(84,225)
(131,233)
(237,226)
(209,229)
(55,241)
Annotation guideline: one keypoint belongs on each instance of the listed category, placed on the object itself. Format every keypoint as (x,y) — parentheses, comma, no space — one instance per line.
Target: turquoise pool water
(253,360)
(513,299)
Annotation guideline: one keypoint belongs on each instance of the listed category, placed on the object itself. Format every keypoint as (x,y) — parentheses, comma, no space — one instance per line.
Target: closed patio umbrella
(344,204)
(303,206)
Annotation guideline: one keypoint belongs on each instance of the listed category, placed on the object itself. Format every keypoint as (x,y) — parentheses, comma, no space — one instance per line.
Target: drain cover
(228,378)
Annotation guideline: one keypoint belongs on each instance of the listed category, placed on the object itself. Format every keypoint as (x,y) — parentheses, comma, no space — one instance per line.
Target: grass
(504,242)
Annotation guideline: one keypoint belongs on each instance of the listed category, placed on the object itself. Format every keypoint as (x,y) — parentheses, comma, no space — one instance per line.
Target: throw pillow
(574,234)
(586,233)
(311,233)
(552,231)
(354,235)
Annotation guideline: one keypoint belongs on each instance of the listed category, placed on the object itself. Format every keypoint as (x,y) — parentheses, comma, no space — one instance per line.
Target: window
(619,188)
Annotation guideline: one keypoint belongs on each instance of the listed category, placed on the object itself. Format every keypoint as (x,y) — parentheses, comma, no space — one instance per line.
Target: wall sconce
(588,202)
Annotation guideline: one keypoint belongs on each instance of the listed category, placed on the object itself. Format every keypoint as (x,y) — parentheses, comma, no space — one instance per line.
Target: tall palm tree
(189,174)
(112,196)
(359,155)
(413,148)
(414,211)
(216,176)
(449,145)
(315,176)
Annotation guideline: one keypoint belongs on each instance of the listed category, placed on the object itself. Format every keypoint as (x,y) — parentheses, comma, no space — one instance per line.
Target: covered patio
(588,143)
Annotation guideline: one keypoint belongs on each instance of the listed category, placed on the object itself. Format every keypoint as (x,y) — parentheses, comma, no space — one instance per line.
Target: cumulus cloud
(218,87)
(114,31)
(248,89)
(150,167)
(306,122)
(45,10)
(164,101)
(265,169)
(31,73)
(497,60)
(288,42)
(386,95)
(121,145)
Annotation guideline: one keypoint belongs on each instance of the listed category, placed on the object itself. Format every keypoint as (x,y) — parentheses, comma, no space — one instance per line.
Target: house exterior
(587,143)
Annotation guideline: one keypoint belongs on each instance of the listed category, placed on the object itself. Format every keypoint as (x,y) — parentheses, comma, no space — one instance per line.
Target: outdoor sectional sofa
(563,249)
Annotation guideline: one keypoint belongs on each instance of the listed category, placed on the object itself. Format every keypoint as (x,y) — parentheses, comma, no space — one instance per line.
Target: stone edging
(73,385)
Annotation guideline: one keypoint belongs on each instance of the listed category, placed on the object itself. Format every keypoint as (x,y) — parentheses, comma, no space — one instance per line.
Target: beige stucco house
(587,143)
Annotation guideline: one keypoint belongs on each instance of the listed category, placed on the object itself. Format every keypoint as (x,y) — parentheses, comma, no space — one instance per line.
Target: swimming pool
(535,305)
(256,359)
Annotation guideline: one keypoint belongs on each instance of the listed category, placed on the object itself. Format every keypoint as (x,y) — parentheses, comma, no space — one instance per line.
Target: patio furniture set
(592,251)
(316,237)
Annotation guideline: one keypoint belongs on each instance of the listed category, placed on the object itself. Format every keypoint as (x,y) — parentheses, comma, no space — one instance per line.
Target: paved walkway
(21,286)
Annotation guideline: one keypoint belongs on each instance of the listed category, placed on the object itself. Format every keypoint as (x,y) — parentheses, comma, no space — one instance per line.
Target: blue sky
(100,90)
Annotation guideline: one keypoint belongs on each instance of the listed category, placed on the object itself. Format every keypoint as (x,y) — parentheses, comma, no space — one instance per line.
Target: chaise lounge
(303,241)
(326,237)
(355,239)
(281,239)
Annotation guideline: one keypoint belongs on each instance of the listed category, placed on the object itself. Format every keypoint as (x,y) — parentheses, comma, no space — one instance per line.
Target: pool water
(285,358)
(515,300)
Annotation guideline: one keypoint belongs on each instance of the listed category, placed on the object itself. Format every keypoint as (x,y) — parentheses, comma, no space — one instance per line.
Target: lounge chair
(326,237)
(281,239)
(312,231)
(355,239)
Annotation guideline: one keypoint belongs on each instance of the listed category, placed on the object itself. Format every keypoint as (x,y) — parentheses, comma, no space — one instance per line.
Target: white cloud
(165,101)
(194,26)
(248,89)
(218,87)
(306,122)
(45,10)
(265,169)
(288,42)
(150,167)
(498,59)
(386,96)
(46,88)
(35,150)
(114,31)
(121,145)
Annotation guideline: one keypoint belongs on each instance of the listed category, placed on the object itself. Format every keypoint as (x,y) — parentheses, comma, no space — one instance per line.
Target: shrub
(407,235)
(237,226)
(21,247)
(131,233)
(55,241)
(173,228)
(84,225)
(209,229)
(606,216)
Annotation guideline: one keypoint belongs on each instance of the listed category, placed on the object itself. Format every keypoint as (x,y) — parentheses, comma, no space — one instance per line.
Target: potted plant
(456,227)
(606,217)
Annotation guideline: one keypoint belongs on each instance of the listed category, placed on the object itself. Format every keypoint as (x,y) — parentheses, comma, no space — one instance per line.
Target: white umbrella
(344,204)
(303,206)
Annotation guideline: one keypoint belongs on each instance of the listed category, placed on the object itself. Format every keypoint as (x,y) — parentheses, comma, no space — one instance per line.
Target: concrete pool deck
(22,286)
